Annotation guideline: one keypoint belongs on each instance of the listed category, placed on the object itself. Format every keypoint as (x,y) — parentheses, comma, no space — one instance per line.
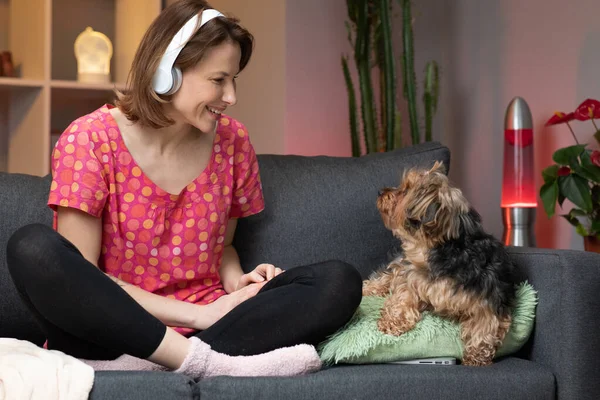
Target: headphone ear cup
(162,81)
(177,77)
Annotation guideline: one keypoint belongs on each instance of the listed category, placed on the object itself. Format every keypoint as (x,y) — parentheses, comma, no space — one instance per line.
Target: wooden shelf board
(61,84)
(20,83)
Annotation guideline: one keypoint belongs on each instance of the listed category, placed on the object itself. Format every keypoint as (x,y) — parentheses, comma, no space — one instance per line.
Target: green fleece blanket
(360,342)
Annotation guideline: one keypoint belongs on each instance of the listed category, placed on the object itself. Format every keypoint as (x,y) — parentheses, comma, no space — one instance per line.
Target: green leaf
(566,155)
(587,169)
(587,173)
(580,229)
(549,194)
(576,189)
(571,220)
(561,199)
(551,173)
(576,212)
(586,159)
(595,228)
(596,195)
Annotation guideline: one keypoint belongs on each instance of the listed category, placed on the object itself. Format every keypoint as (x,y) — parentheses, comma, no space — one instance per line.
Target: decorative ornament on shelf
(575,176)
(93,51)
(7,67)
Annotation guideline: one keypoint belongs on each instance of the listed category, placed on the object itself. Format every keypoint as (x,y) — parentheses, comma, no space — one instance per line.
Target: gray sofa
(319,208)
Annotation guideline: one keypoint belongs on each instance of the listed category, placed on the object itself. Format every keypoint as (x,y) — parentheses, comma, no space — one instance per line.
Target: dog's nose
(381,192)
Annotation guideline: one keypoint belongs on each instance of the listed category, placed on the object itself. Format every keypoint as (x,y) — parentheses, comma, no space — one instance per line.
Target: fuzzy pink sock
(203,362)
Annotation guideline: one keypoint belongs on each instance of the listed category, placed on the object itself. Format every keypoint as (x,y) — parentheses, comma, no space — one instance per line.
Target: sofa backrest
(22,201)
(321,208)
(317,208)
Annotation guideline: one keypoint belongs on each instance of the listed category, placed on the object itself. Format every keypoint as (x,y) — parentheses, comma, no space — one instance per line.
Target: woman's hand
(211,313)
(263,273)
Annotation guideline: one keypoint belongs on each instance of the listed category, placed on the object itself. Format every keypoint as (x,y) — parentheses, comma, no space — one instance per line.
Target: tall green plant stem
(351,109)
(430,96)
(362,57)
(410,79)
(389,74)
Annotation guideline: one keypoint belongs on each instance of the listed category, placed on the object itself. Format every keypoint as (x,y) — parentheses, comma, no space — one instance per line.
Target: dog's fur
(449,265)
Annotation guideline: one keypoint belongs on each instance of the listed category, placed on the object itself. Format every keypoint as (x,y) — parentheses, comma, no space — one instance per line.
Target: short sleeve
(78,176)
(247,195)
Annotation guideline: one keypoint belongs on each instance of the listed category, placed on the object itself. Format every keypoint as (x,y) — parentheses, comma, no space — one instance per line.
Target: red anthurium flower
(564,171)
(595,158)
(589,109)
(560,118)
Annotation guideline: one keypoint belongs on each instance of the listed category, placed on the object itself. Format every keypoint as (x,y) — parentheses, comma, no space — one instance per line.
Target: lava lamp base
(518,226)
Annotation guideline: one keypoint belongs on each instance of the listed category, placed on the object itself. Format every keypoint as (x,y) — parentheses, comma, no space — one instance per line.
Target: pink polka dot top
(170,245)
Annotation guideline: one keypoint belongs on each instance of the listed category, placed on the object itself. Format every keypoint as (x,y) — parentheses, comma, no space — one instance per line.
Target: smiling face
(208,88)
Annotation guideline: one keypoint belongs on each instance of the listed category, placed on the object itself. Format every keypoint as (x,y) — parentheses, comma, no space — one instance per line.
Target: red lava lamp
(519,196)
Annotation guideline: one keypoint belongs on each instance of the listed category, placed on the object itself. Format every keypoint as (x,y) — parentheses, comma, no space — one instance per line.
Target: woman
(146,196)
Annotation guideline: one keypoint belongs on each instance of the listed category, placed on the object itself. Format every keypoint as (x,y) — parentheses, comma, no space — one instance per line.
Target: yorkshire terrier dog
(449,265)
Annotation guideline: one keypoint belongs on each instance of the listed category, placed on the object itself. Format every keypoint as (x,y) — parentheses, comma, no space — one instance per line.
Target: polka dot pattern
(170,245)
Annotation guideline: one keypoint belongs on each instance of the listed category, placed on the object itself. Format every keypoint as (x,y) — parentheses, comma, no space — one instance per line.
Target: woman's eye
(219,80)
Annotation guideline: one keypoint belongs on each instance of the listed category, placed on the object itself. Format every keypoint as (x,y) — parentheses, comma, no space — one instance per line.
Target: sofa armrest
(566,335)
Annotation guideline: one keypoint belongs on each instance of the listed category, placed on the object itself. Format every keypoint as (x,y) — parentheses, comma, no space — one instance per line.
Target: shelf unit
(38,104)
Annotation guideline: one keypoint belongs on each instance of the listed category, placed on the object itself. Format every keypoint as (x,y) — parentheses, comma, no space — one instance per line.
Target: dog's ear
(430,212)
(470,223)
(416,222)
(438,166)
(451,207)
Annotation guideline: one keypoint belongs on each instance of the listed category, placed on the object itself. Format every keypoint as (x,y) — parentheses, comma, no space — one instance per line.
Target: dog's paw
(395,328)
(371,289)
(371,292)
(474,361)
(478,357)
(366,290)
(478,354)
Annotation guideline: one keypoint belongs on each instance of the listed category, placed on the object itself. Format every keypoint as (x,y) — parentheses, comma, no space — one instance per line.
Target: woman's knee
(342,272)
(28,247)
(341,284)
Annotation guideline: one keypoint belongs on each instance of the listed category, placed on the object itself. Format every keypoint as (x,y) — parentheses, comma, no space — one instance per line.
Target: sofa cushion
(22,201)
(510,378)
(320,208)
(136,385)
(361,342)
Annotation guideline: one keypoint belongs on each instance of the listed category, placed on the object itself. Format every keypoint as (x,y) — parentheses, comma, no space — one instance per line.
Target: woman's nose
(229,95)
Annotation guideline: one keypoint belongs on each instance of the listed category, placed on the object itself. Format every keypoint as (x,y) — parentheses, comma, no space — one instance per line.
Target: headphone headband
(167,78)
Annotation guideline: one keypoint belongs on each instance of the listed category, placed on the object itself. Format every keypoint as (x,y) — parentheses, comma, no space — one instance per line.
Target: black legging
(85,314)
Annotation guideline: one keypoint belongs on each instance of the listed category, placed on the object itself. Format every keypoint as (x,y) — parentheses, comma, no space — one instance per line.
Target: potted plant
(575,175)
(369,28)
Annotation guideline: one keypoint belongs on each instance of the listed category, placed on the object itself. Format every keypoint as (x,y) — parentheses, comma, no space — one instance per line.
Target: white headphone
(167,78)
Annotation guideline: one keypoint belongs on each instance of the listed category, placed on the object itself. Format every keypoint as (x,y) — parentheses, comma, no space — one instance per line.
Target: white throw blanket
(29,372)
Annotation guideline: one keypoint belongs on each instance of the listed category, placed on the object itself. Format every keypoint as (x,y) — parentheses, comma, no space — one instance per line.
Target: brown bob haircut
(139,102)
